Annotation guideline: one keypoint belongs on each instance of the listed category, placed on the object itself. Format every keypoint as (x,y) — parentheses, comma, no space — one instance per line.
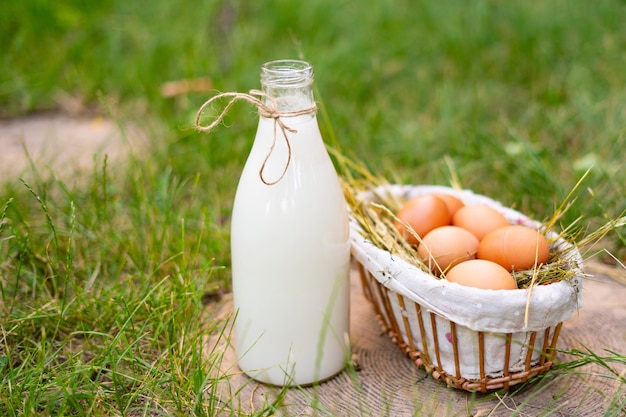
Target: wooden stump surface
(387,383)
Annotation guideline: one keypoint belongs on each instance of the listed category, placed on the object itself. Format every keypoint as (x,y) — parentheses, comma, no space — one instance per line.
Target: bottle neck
(288,84)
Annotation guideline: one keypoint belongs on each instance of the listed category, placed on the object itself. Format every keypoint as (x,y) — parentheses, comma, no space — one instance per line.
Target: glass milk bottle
(289,242)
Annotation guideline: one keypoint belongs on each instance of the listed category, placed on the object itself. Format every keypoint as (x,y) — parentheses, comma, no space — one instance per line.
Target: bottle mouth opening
(286,73)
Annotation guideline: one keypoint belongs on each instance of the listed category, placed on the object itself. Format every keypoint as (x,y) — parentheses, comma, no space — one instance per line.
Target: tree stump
(383,381)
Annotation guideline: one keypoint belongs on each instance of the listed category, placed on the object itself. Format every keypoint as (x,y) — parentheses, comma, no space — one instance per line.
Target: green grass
(102,285)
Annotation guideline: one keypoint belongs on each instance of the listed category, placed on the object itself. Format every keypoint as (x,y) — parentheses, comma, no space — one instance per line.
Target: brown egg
(479,219)
(453,203)
(515,247)
(483,274)
(447,246)
(423,213)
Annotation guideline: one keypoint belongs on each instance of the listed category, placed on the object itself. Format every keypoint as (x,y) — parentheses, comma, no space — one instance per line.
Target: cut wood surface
(385,382)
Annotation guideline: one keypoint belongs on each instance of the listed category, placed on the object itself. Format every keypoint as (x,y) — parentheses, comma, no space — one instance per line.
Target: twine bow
(267,109)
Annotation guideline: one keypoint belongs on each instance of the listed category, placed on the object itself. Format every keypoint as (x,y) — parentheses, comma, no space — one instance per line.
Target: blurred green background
(519,98)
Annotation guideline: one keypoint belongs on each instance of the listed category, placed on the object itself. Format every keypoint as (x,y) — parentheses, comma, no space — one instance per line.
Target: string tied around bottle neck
(267,109)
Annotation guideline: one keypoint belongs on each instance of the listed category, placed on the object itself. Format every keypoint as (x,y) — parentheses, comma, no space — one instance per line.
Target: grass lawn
(104,286)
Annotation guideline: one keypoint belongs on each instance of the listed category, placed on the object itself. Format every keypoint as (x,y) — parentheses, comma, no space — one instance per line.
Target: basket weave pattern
(411,328)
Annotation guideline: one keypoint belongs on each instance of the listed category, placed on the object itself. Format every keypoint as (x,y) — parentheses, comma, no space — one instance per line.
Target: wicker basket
(467,351)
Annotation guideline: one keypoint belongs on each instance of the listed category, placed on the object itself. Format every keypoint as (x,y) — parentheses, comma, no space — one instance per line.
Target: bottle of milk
(289,242)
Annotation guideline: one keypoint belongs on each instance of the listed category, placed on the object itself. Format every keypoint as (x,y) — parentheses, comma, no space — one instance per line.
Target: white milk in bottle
(289,242)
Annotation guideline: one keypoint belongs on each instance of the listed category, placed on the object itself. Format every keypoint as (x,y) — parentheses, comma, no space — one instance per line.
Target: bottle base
(262,377)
